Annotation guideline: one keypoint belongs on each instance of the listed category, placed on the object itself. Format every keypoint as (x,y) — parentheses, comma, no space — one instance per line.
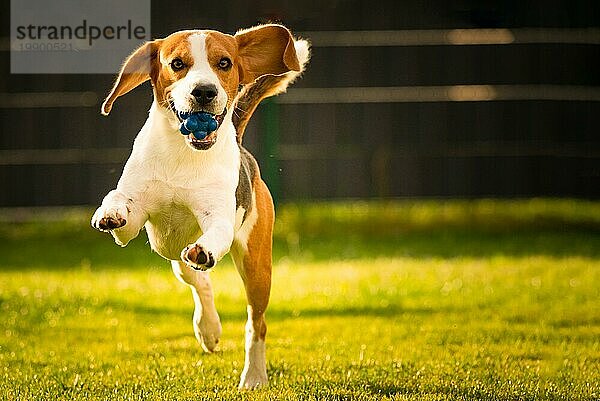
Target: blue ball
(194,123)
(184,130)
(206,117)
(201,124)
(212,124)
(200,134)
(183,115)
(191,124)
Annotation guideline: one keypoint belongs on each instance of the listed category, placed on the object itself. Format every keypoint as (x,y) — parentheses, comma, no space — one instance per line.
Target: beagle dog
(201,198)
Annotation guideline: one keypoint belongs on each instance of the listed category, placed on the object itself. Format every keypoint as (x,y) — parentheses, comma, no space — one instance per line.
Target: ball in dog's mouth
(200,127)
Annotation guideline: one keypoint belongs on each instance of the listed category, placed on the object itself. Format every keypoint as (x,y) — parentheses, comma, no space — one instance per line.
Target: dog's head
(194,71)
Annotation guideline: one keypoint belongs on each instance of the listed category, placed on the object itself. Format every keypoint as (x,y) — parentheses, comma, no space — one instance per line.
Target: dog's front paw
(197,257)
(107,219)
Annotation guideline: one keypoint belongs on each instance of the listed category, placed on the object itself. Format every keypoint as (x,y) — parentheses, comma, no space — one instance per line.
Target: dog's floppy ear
(135,71)
(265,50)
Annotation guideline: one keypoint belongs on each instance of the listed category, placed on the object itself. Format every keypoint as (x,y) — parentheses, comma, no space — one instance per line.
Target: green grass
(403,300)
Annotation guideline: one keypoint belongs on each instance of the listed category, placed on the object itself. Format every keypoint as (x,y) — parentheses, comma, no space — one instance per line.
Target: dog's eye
(177,64)
(224,63)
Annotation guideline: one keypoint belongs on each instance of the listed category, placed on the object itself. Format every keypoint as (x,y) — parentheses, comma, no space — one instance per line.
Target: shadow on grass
(88,249)
(443,243)
(391,310)
(275,314)
(343,231)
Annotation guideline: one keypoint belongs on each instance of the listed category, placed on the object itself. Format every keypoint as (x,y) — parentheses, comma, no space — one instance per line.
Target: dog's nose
(204,94)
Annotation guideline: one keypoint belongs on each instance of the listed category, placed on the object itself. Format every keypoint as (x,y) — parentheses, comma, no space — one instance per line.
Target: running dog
(199,198)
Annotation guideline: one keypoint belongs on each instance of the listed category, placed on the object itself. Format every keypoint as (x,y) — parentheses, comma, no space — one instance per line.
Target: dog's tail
(268,85)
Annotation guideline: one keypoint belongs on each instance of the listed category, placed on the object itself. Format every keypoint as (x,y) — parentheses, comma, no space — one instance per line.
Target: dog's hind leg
(207,325)
(253,260)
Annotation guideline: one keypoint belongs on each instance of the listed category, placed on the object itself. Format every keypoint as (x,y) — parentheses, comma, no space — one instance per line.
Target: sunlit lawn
(395,300)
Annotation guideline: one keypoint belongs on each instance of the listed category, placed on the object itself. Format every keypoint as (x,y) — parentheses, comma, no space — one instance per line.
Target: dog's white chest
(177,187)
(171,229)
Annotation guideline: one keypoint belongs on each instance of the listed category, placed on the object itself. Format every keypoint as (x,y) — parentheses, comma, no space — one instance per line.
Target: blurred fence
(535,136)
(419,112)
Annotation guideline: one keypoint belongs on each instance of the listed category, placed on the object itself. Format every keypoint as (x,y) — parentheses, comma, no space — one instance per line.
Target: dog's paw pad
(108,223)
(107,219)
(197,257)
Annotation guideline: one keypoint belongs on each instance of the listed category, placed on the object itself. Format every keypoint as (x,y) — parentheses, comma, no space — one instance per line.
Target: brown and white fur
(199,200)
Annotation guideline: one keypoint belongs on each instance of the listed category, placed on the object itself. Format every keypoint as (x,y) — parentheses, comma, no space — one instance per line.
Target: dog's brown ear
(135,71)
(265,50)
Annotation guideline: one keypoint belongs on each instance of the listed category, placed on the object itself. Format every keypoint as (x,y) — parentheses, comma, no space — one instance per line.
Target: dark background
(55,152)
